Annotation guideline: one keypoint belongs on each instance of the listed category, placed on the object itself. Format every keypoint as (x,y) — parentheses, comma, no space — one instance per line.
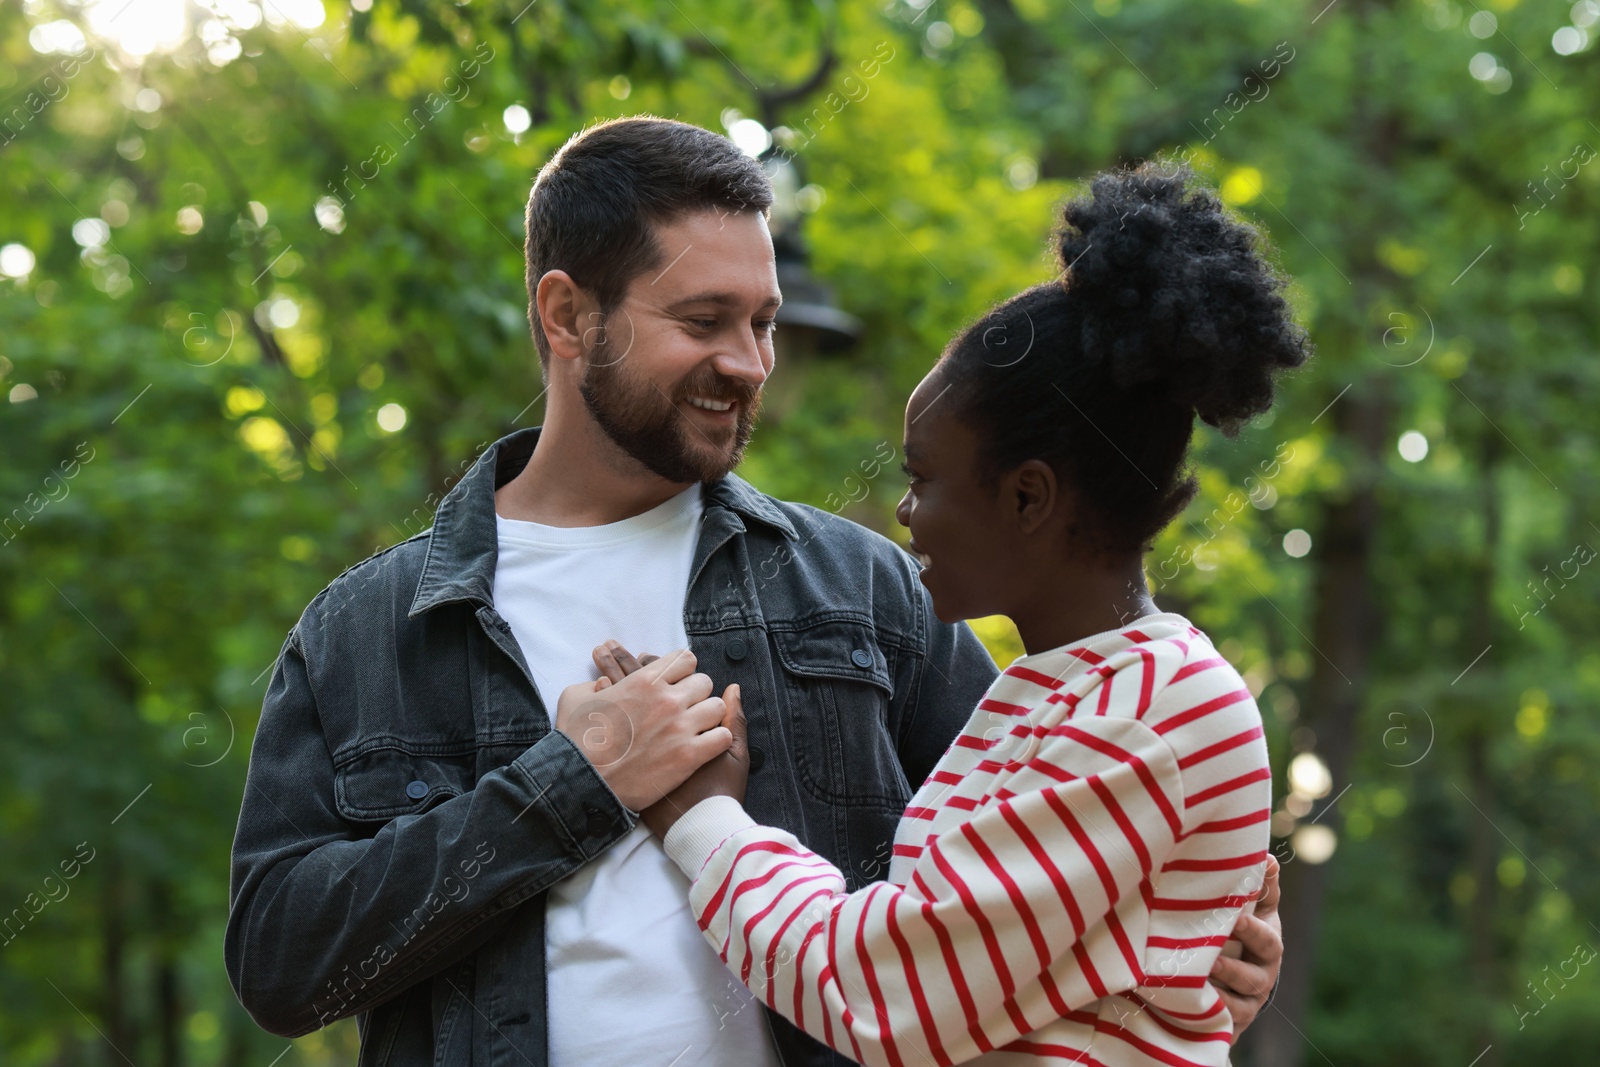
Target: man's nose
(745,361)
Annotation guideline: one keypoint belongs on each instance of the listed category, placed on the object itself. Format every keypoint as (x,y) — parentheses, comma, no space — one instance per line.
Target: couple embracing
(556,782)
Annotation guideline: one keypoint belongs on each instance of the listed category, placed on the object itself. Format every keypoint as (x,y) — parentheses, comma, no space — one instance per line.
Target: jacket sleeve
(325,922)
(945,684)
(1025,913)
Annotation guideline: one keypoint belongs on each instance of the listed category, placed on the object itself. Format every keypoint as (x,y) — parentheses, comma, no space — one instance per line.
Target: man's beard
(646,423)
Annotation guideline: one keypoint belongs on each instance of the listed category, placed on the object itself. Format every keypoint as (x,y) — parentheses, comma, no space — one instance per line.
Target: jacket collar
(464,542)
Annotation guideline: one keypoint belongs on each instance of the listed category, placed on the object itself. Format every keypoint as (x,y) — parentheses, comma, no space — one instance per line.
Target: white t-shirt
(631,978)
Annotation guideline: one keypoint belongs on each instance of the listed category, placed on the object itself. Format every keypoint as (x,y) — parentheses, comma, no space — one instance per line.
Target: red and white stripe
(1060,886)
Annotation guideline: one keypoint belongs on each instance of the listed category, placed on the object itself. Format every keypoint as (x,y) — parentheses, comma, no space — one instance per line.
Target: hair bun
(1171,291)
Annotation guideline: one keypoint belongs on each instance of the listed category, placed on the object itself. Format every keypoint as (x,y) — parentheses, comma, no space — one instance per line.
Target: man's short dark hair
(595,206)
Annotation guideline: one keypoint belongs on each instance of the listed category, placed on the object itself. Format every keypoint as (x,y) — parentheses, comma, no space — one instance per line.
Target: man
(417,845)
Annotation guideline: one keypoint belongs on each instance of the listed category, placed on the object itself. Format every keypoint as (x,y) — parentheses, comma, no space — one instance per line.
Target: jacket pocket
(387,777)
(837,687)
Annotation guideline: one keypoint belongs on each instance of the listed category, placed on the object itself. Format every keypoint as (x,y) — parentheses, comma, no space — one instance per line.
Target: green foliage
(225,376)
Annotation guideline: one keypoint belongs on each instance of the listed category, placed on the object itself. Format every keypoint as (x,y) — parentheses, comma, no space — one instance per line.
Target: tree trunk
(164,967)
(1345,630)
(114,1001)
(1485,839)
(236,1049)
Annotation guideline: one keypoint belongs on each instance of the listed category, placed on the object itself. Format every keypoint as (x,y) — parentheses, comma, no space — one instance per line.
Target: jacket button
(757,758)
(737,649)
(417,790)
(598,823)
(861,658)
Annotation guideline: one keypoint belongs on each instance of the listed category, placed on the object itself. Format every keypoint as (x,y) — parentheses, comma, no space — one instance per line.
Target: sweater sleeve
(1030,910)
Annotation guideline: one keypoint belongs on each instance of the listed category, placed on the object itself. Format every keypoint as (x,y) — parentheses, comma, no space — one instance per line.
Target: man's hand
(1246,982)
(723,775)
(649,731)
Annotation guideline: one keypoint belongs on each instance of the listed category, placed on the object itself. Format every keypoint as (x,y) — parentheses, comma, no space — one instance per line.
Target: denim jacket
(408,804)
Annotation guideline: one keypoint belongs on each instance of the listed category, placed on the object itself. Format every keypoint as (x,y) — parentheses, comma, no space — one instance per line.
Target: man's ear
(567,314)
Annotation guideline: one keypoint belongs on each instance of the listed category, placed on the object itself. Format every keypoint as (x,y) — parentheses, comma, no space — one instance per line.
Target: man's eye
(768,327)
(703,324)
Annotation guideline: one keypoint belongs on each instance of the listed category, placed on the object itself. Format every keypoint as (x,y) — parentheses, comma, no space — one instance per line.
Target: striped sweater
(1060,885)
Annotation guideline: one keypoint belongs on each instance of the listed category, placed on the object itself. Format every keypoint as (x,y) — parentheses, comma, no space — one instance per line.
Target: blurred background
(261,303)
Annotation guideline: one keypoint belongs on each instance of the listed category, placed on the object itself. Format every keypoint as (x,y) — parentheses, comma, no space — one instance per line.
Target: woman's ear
(1037,494)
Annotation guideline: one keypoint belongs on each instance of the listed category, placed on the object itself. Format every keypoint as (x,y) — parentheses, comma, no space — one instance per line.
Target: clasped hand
(656,735)
(663,744)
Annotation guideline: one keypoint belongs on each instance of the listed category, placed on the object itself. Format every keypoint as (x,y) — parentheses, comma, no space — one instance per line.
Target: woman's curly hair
(1166,309)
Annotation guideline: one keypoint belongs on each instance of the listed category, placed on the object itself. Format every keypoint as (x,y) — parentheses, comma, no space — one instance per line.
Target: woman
(1063,881)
